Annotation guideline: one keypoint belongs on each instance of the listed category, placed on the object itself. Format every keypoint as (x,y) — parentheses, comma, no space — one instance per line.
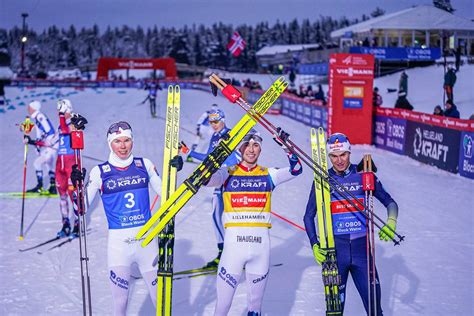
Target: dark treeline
(56,48)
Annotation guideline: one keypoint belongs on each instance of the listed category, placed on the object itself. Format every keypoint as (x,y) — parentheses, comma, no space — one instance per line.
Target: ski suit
(46,139)
(203,132)
(125,197)
(64,164)
(247,206)
(217,201)
(349,231)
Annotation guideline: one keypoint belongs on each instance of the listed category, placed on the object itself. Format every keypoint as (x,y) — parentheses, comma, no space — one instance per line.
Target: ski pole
(288,221)
(221,84)
(77,144)
(26,126)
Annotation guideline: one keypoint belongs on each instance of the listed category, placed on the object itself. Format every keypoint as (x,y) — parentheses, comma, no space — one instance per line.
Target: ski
(62,243)
(210,269)
(164,288)
(329,270)
(187,276)
(28,195)
(213,161)
(40,244)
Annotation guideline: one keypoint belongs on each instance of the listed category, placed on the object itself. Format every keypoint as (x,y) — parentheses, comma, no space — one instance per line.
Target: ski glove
(77,176)
(295,165)
(27,140)
(281,136)
(388,231)
(177,162)
(319,254)
(78,121)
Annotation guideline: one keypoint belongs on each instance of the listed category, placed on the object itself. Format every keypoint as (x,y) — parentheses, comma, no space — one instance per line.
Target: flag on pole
(236,44)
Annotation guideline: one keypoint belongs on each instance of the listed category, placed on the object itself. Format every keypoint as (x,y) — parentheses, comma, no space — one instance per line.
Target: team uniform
(349,229)
(152,88)
(46,139)
(203,131)
(125,196)
(217,200)
(64,164)
(247,205)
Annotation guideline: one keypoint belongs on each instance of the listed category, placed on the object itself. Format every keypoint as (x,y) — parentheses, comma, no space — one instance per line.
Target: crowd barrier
(443,142)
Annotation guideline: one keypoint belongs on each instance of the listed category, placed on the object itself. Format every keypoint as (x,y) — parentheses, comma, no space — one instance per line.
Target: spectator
(403,83)
(449,81)
(402,102)
(438,111)
(320,94)
(457,55)
(471,117)
(450,109)
(376,98)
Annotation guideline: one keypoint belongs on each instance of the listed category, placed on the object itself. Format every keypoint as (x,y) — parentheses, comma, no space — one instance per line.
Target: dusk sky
(63,13)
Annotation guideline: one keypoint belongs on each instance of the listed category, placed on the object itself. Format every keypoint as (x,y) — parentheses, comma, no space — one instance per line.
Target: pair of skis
(164,289)
(214,160)
(329,270)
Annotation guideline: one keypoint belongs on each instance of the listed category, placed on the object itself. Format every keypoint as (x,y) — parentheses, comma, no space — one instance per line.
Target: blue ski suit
(349,228)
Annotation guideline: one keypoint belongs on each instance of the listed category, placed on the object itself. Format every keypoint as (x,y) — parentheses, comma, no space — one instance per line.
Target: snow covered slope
(429,274)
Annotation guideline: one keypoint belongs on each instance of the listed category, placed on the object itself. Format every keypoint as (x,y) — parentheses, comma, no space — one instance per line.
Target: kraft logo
(111,184)
(234,183)
(467,146)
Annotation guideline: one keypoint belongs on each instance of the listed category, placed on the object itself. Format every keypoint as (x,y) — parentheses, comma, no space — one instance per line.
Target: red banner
(351,79)
(105,64)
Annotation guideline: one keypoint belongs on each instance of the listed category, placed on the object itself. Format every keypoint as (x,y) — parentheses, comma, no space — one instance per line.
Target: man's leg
(119,284)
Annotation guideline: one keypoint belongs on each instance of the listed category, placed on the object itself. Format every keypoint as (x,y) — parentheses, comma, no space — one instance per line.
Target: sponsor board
(433,145)
(466,155)
(390,133)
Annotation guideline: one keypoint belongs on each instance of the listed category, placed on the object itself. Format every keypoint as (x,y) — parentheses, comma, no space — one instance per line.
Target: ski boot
(66,230)
(37,189)
(52,187)
(214,263)
(75,230)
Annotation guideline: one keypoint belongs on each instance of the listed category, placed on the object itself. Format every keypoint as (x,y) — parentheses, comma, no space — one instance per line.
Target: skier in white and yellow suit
(247,189)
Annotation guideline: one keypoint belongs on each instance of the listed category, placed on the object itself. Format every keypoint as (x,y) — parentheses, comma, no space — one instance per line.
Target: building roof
(277,49)
(423,17)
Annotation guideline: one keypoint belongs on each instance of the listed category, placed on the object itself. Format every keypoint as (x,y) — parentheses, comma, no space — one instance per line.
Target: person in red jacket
(64,164)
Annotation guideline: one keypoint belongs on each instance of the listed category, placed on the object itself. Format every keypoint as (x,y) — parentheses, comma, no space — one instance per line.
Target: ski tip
(170,88)
(21,238)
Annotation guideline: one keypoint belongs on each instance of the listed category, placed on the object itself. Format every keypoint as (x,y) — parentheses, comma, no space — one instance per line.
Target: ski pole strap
(368,181)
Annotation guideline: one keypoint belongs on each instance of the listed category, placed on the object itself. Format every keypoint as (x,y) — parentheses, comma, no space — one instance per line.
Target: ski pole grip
(368,181)
(231,93)
(77,140)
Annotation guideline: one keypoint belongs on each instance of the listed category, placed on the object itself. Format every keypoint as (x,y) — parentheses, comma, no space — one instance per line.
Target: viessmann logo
(134,64)
(351,71)
(248,200)
(428,143)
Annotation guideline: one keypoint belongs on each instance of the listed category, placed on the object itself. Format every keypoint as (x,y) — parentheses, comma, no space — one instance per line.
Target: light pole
(24,38)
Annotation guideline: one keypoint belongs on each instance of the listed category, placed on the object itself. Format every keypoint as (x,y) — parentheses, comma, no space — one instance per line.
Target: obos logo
(111,184)
(467,145)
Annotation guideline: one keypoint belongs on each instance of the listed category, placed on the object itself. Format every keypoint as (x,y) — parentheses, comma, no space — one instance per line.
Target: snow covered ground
(431,273)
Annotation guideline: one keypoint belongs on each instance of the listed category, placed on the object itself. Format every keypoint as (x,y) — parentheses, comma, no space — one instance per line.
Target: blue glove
(295,165)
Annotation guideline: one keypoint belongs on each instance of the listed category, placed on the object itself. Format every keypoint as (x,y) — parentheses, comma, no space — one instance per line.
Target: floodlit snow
(429,274)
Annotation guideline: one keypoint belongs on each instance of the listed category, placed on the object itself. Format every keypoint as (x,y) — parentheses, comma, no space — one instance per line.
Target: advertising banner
(466,155)
(399,53)
(351,79)
(433,145)
(390,133)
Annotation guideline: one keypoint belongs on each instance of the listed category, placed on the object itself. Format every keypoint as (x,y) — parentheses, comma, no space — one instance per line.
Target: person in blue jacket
(349,226)
(216,119)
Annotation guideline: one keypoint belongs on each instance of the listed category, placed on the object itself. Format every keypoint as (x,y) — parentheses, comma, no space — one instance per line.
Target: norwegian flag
(236,44)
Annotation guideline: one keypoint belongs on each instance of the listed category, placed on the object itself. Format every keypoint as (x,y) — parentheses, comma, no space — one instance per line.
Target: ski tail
(210,165)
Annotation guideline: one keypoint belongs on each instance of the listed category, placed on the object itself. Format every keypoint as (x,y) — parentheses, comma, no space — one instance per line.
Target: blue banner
(390,133)
(320,69)
(399,53)
(466,155)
